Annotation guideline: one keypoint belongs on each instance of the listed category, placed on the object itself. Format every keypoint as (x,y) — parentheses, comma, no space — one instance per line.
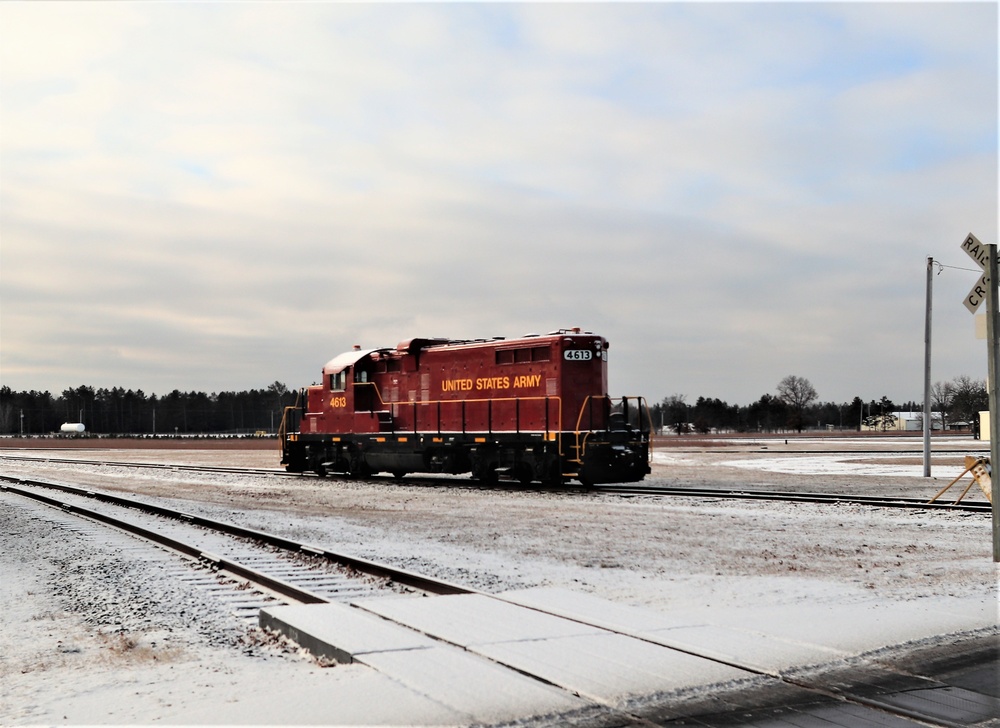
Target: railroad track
(151,466)
(793,497)
(625,490)
(296,589)
(297,586)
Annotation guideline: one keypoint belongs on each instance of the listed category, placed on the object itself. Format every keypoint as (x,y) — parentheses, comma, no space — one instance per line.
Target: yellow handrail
(581,445)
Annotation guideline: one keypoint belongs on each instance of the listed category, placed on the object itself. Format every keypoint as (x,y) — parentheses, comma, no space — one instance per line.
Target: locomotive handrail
(283,426)
(489,400)
(581,445)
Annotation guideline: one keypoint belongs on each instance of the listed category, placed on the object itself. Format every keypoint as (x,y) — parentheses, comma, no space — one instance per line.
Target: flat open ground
(673,555)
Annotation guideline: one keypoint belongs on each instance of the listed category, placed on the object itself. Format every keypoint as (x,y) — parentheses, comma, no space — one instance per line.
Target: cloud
(218,196)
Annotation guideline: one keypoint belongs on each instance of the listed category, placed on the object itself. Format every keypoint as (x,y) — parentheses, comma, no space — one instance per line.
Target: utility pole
(927,369)
(993,379)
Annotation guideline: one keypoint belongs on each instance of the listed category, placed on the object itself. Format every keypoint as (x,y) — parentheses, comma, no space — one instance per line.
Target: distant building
(907,422)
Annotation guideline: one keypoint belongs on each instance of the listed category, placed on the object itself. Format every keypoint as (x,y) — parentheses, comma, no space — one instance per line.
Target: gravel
(104,621)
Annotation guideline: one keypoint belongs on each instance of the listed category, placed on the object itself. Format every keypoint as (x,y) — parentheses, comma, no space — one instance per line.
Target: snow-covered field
(91,635)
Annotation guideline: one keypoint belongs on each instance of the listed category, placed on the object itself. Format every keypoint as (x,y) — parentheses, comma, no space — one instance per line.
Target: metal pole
(993,378)
(927,370)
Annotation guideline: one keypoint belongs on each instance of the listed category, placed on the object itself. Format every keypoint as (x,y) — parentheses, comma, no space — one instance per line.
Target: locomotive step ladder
(386,423)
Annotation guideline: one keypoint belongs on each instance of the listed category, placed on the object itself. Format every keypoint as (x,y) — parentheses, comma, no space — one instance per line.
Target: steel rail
(625,489)
(259,578)
(364,566)
(743,494)
(150,466)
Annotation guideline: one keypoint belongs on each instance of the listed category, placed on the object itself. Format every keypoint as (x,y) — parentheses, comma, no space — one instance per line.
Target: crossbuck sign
(986,289)
(977,251)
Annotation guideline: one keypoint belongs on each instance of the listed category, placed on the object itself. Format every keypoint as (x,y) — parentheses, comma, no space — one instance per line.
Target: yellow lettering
(522,381)
(336,402)
(492,383)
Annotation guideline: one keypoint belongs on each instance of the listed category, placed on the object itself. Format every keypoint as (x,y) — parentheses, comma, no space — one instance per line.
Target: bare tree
(797,393)
(942,397)
(969,399)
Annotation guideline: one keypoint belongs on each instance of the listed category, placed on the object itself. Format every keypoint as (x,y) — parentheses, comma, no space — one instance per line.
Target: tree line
(118,411)
(795,406)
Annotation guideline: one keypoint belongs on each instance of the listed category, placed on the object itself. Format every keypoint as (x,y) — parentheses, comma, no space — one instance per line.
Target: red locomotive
(532,408)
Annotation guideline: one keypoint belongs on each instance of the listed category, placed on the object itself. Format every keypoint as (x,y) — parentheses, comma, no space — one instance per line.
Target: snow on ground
(99,644)
(872,459)
(844,465)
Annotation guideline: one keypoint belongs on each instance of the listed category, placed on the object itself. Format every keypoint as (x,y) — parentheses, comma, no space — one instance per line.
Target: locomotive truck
(534,408)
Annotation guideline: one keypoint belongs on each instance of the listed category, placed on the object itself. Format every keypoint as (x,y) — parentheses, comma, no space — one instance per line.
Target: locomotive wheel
(487,474)
(525,474)
(399,474)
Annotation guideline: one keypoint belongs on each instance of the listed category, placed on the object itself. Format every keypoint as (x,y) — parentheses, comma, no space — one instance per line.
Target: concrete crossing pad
(775,639)
(580,658)
(473,619)
(463,684)
(550,652)
(610,668)
(339,632)
(483,690)
(754,650)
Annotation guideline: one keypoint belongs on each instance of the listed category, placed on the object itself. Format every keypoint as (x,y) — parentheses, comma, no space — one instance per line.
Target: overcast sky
(216,196)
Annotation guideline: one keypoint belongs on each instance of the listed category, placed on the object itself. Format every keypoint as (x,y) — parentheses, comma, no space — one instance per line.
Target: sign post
(992,339)
(986,289)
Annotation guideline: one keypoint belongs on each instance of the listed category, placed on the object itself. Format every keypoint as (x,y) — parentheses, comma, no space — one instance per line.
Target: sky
(218,196)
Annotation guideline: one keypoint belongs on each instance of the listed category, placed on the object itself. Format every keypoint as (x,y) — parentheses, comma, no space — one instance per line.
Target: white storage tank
(72,428)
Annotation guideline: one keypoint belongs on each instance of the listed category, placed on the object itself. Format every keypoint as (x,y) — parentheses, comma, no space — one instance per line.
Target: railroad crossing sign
(978,252)
(986,289)
(975,250)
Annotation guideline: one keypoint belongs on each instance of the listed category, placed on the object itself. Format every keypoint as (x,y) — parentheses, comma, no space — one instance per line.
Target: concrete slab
(583,659)
(519,662)
(773,639)
(753,650)
(482,690)
(339,632)
(593,610)
(468,688)
(610,668)
(473,619)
